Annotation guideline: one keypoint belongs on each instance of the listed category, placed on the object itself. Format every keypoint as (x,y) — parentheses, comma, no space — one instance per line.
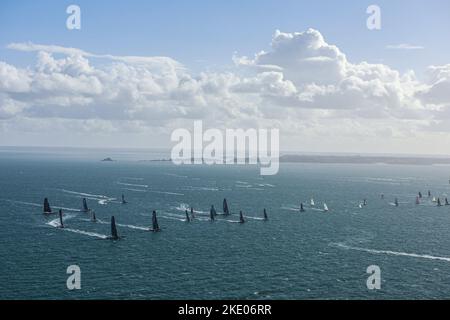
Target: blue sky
(325,80)
(206,33)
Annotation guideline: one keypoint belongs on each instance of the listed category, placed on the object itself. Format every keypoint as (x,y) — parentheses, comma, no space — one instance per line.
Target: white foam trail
(135,190)
(131,178)
(394,253)
(183,207)
(133,184)
(166,192)
(91,234)
(175,175)
(290,208)
(125,225)
(24,202)
(88,194)
(254,218)
(102,202)
(171,218)
(266,185)
(192,188)
(230,221)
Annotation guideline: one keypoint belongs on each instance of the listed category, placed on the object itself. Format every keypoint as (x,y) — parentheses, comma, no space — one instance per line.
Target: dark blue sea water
(294,255)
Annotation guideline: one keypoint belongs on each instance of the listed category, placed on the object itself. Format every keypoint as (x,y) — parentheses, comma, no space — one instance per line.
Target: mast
(187,216)
(265,215)
(47,208)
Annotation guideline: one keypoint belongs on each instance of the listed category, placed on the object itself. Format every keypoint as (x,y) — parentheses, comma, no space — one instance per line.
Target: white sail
(325,207)
(312,202)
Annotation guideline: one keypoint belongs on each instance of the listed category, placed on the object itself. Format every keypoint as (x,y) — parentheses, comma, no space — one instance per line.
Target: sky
(137,70)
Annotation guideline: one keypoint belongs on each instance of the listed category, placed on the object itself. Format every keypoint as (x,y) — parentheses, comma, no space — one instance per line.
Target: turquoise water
(294,255)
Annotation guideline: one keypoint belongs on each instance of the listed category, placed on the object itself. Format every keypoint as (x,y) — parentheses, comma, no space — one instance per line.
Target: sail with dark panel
(225,207)
(155,225)
(47,208)
(212,213)
(241,217)
(114,234)
(85,206)
(61,224)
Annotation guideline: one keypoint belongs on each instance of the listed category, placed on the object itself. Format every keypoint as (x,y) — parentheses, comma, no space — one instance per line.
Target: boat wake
(167,192)
(184,206)
(254,218)
(86,233)
(389,252)
(290,208)
(55,223)
(132,184)
(130,226)
(135,190)
(102,199)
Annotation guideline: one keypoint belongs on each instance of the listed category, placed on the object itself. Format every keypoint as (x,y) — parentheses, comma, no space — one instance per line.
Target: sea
(315,254)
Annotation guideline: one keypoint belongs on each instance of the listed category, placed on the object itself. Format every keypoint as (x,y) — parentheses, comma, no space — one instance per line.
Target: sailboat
(265,215)
(187,216)
(93,219)
(61,224)
(192,213)
(114,234)
(365,202)
(155,225)
(47,209)
(360,206)
(420,195)
(396,202)
(241,217)
(85,206)
(446,202)
(225,207)
(439,204)
(302,209)
(123,199)
(325,207)
(434,199)
(312,202)
(212,213)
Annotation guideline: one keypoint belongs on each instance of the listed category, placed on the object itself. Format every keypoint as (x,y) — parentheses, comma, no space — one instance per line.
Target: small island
(107,160)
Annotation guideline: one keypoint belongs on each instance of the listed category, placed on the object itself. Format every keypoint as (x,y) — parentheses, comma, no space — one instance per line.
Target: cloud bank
(302,85)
